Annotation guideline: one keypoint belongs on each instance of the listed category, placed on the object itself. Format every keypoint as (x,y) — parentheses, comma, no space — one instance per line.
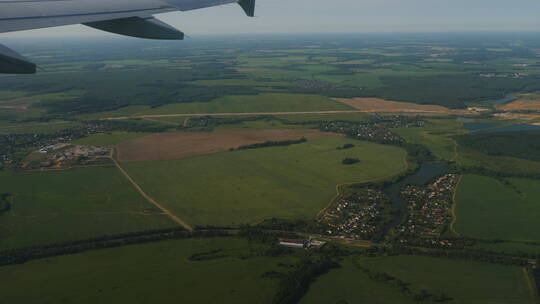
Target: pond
(478,126)
(512,128)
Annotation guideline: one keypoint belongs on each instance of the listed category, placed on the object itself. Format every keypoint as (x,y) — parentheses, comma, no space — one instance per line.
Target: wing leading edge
(125,17)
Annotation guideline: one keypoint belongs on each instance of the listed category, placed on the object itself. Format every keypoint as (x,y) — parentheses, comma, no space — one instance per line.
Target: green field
(256,103)
(69,205)
(465,281)
(436,136)
(291,121)
(236,104)
(36,128)
(488,209)
(350,284)
(107,139)
(469,157)
(251,185)
(148,273)
(509,247)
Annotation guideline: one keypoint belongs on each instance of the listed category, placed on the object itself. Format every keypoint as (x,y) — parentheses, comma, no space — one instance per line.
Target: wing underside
(125,17)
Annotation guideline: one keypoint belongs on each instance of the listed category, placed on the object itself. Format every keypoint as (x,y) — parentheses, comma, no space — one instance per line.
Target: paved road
(231,114)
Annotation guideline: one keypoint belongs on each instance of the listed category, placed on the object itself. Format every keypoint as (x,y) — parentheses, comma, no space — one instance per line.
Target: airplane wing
(126,17)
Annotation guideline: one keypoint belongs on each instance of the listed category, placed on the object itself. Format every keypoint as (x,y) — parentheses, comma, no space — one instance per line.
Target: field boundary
(531,282)
(453,210)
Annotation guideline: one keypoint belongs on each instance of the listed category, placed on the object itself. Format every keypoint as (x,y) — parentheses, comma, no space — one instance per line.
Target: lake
(512,128)
(478,126)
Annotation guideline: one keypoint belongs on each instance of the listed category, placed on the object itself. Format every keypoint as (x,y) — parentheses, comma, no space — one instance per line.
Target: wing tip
(13,63)
(248,6)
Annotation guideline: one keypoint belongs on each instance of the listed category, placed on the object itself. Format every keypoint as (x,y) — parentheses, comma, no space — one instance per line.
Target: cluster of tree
(403,287)
(345,147)
(418,153)
(350,161)
(207,255)
(499,175)
(458,254)
(294,285)
(449,90)
(267,144)
(521,144)
(536,275)
(132,125)
(264,236)
(265,242)
(112,89)
(5,203)
(286,225)
(209,122)
(23,255)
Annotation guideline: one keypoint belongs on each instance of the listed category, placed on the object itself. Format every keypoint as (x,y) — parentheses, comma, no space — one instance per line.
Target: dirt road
(151,200)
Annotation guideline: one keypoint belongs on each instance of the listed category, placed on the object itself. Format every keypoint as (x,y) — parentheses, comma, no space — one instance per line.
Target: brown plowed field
(522,105)
(176,145)
(382,105)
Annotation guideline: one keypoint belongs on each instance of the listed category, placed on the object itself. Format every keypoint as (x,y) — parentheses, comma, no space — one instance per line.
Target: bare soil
(177,145)
(522,105)
(18,105)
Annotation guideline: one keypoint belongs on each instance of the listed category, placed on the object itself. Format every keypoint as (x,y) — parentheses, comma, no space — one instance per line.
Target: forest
(522,144)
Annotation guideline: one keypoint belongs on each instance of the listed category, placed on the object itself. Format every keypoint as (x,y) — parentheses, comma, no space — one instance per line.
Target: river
(426,173)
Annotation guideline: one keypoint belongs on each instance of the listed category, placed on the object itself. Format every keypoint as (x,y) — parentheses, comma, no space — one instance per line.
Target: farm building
(304,244)
(293,243)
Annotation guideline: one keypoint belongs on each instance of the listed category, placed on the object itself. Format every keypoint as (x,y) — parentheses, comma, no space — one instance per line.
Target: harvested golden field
(17,105)
(382,105)
(177,145)
(522,105)
(509,115)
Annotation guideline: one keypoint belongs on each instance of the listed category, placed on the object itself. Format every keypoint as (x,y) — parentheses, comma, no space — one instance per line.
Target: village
(359,216)
(62,155)
(428,209)
(378,131)
(504,75)
(14,147)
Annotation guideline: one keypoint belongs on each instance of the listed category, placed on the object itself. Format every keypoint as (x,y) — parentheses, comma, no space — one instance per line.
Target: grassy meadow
(487,208)
(50,207)
(269,102)
(436,136)
(510,247)
(148,273)
(350,285)
(251,185)
(465,281)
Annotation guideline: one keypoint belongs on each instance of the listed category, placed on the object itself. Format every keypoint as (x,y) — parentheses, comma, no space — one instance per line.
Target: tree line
(295,284)
(267,144)
(403,287)
(5,203)
(23,255)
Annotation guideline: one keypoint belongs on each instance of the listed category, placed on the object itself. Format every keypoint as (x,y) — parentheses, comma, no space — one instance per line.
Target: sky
(332,16)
